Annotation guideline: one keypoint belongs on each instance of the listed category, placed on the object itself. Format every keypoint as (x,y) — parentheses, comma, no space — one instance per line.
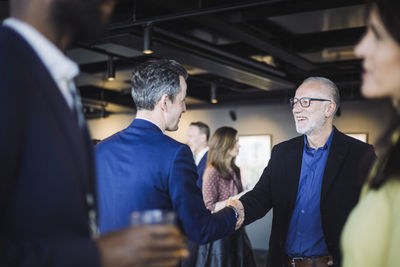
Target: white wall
(367,116)
(102,128)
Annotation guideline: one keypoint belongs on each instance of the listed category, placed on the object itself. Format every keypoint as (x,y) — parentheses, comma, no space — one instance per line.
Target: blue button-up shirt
(305,236)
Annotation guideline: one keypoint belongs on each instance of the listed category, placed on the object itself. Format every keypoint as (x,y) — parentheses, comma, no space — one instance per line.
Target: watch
(236,212)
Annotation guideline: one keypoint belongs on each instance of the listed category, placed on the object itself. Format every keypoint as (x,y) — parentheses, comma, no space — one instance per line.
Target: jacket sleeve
(198,223)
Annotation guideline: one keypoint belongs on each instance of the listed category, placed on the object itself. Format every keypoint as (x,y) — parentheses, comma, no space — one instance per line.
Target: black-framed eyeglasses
(305,102)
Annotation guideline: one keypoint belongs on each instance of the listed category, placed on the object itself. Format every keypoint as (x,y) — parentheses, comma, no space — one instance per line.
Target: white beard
(308,129)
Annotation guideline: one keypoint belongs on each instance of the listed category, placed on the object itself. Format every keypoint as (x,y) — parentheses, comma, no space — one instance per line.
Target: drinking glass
(156,216)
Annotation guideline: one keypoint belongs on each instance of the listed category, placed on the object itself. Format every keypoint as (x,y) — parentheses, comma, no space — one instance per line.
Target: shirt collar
(152,122)
(324,147)
(60,67)
(200,155)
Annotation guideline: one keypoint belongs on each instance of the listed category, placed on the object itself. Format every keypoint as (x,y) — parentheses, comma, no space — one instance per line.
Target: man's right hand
(238,206)
(145,245)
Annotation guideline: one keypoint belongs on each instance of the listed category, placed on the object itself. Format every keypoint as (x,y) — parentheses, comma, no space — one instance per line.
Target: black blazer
(277,189)
(46,166)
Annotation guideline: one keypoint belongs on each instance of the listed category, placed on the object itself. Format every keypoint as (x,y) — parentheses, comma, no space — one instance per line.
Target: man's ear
(163,102)
(203,137)
(330,109)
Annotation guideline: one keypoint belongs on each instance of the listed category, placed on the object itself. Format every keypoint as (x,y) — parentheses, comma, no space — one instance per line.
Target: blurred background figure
(197,139)
(371,236)
(221,180)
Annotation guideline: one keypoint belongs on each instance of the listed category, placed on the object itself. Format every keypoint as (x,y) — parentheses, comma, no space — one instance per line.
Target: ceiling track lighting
(213,94)
(147,32)
(110,69)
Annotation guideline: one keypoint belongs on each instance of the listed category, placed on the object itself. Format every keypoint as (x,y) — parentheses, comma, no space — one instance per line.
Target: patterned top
(216,189)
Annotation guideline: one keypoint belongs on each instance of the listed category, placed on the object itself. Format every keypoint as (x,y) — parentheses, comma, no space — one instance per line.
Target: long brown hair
(221,143)
(388,11)
(387,167)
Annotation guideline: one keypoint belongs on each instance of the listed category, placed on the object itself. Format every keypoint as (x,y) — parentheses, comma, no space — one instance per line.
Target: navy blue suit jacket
(141,168)
(200,170)
(46,166)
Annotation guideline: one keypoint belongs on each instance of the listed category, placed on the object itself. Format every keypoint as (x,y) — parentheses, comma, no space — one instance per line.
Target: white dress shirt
(62,69)
(200,155)
(140,118)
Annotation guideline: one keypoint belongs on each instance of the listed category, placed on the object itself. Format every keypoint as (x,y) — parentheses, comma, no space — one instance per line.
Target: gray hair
(154,78)
(331,86)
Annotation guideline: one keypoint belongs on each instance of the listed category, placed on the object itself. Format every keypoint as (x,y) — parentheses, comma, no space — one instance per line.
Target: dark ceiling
(249,51)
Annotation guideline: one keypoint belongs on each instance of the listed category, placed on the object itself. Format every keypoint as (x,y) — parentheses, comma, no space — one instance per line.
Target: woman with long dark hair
(371,236)
(221,180)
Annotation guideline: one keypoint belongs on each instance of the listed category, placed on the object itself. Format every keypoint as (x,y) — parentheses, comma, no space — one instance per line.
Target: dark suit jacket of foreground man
(277,189)
(46,166)
(141,168)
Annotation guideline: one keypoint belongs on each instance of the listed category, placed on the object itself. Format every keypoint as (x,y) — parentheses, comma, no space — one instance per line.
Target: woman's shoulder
(210,168)
(211,171)
(387,195)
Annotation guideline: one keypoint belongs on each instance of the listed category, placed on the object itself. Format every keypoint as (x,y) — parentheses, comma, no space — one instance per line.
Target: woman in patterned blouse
(221,180)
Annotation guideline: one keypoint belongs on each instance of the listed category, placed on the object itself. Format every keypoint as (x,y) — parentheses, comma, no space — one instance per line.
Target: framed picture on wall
(360,136)
(254,154)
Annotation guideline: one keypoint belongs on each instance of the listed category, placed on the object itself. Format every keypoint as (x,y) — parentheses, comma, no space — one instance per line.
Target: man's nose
(296,107)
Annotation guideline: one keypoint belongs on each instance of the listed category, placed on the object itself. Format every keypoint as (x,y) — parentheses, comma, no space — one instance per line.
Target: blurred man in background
(197,139)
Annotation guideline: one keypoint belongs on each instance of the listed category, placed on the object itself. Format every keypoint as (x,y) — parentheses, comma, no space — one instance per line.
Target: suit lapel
(38,78)
(64,117)
(203,159)
(337,154)
(91,170)
(293,167)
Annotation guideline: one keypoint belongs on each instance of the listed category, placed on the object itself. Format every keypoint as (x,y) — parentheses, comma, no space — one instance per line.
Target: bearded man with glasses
(312,182)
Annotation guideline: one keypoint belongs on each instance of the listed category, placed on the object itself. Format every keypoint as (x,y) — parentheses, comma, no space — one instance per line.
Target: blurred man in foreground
(48,197)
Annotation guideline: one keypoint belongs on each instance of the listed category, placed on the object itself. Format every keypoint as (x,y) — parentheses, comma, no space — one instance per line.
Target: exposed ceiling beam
(221,52)
(232,31)
(311,42)
(195,12)
(290,7)
(213,64)
(104,95)
(128,63)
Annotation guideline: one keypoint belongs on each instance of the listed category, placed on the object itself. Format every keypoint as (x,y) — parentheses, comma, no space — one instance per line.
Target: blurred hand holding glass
(165,244)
